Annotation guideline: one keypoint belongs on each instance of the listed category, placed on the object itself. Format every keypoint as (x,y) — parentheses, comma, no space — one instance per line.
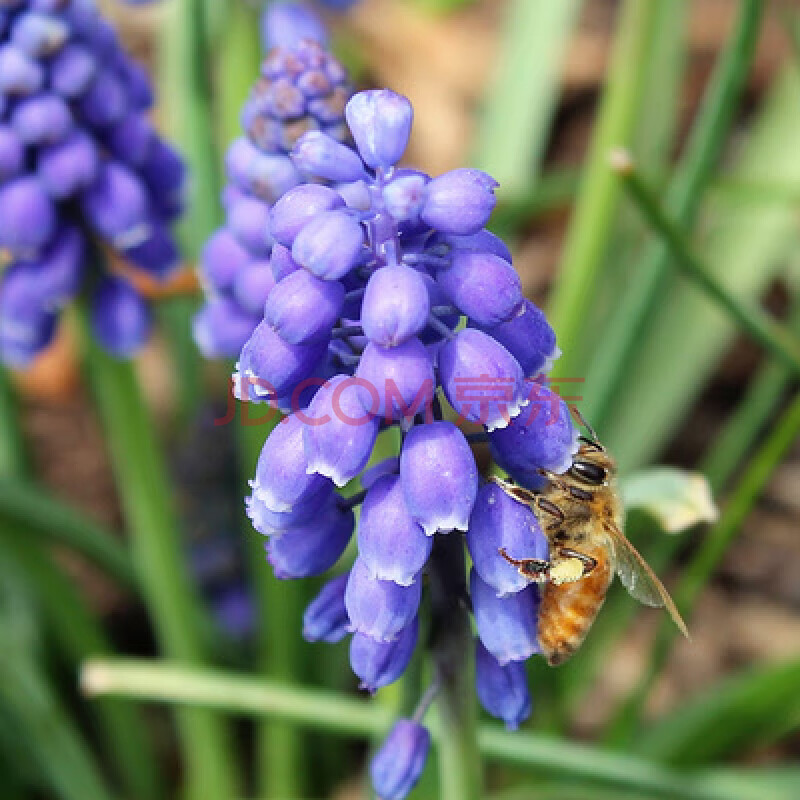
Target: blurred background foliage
(121,532)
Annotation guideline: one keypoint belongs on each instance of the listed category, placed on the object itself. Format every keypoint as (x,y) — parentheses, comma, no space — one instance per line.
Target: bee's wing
(639,579)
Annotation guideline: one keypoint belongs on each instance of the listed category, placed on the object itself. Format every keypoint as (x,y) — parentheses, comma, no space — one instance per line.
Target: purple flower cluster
(80,167)
(302,88)
(394,307)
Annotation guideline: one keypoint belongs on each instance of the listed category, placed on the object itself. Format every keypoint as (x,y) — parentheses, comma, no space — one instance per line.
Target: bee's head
(592,465)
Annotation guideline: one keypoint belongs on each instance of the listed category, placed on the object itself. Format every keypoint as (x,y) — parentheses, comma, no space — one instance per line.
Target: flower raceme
(302,88)
(391,305)
(80,168)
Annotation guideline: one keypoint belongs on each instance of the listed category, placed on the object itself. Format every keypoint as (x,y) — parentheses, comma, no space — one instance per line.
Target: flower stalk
(460,765)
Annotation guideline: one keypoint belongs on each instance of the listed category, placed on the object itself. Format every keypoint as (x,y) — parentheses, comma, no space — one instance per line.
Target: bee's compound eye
(588,473)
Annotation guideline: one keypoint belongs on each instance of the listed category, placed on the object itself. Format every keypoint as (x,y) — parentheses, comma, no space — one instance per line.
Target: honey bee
(581,515)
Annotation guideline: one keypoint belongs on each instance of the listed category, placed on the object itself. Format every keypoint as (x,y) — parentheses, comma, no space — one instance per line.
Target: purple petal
(439,477)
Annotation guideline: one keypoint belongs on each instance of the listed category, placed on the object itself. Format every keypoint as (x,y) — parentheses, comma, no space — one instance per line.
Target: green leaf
(43,516)
(747,712)
(677,499)
(520,101)
(687,334)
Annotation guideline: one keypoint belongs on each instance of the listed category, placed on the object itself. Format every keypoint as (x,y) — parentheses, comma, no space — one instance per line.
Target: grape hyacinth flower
(81,170)
(302,89)
(388,294)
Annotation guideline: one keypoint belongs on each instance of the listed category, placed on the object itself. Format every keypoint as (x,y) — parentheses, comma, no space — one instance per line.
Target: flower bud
(68,167)
(131,139)
(105,100)
(506,625)
(25,324)
(404,195)
(287,24)
(120,318)
(439,477)
(391,544)
(221,328)
(19,74)
(460,201)
(502,690)
(340,432)
(265,175)
(158,253)
(529,338)
(39,35)
(398,765)
(379,609)
(248,221)
(41,119)
(325,618)
(378,663)
(481,379)
(320,155)
(72,70)
(273,523)
(164,171)
(499,521)
(541,437)
(58,271)
(297,207)
(481,242)
(21,340)
(303,308)
(28,216)
(282,479)
(484,287)
(253,285)
(223,259)
(396,305)
(380,121)
(116,205)
(314,547)
(329,245)
(401,377)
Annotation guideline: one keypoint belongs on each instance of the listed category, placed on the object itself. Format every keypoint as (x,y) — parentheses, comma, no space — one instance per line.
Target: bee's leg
(536,570)
(518,493)
(587,562)
(569,565)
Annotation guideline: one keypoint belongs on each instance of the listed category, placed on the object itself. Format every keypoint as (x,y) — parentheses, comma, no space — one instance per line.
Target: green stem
(697,573)
(185,77)
(460,767)
(60,754)
(49,520)
(772,336)
(750,418)
(341,715)
(702,153)
(521,100)
(143,484)
(589,232)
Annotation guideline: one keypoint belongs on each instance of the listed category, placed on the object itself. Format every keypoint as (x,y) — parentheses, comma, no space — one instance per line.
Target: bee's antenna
(582,420)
